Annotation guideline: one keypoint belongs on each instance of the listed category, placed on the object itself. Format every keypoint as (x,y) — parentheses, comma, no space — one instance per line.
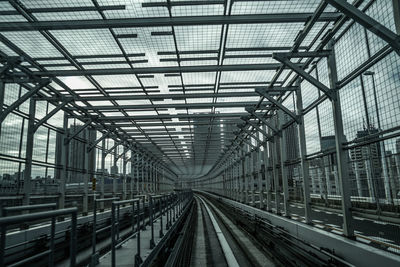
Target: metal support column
(268,175)
(114,183)
(241,174)
(303,161)
(341,153)
(29,152)
(246,174)
(2,90)
(253,172)
(86,175)
(275,170)
(260,161)
(64,163)
(132,174)
(396,15)
(124,162)
(283,150)
(103,172)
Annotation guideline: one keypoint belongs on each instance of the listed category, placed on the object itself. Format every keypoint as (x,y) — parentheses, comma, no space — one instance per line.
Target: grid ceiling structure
(164,75)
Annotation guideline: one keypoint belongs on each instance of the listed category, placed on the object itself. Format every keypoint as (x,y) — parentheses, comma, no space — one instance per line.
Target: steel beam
(2,91)
(283,156)
(65,9)
(267,136)
(245,140)
(265,94)
(341,153)
(368,22)
(168,116)
(303,160)
(162,21)
(282,57)
(252,111)
(50,114)
(250,133)
(29,153)
(104,136)
(176,106)
(9,64)
(155,96)
(396,14)
(22,99)
(159,70)
(68,139)
(113,148)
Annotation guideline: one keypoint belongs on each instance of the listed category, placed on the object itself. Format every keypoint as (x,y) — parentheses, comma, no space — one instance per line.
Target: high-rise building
(76,155)
(367,165)
(207,135)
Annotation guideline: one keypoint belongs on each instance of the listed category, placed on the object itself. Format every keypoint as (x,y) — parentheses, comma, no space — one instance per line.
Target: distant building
(292,150)
(367,165)
(329,166)
(114,169)
(76,155)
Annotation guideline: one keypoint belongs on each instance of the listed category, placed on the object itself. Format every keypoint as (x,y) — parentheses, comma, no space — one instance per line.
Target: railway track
(224,236)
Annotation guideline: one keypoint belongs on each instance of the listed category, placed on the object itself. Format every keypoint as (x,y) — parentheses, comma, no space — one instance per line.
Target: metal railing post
(94,226)
(167,206)
(73,244)
(2,245)
(144,215)
(113,234)
(52,234)
(138,259)
(174,207)
(161,218)
(151,222)
(95,256)
(5,221)
(118,206)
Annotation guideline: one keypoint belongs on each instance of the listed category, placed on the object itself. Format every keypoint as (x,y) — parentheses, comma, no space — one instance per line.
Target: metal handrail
(6,221)
(28,207)
(95,256)
(114,243)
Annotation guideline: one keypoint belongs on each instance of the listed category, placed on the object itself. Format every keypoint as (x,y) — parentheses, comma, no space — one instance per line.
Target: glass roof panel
(198,10)
(88,42)
(133,9)
(198,37)
(262,35)
(55,3)
(116,80)
(33,43)
(269,7)
(247,76)
(78,82)
(76,15)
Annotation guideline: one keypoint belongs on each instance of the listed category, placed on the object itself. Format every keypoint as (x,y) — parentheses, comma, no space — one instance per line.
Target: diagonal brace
(250,133)
(281,57)
(367,22)
(252,111)
(247,141)
(22,99)
(122,154)
(98,141)
(113,147)
(268,137)
(10,63)
(67,140)
(51,114)
(265,94)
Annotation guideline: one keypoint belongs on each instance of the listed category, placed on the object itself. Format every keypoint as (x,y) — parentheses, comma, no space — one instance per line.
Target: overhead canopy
(175,76)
